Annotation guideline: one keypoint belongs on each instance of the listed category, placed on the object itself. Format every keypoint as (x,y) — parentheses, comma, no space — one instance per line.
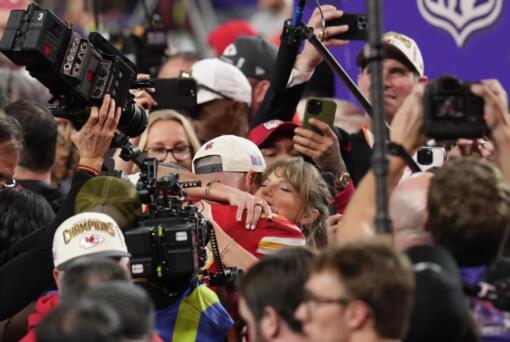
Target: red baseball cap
(260,134)
(226,33)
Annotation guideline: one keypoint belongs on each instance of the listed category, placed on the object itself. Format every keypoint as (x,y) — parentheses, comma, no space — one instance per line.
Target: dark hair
(469,210)
(83,321)
(10,130)
(131,302)
(372,272)
(21,212)
(87,273)
(277,281)
(39,132)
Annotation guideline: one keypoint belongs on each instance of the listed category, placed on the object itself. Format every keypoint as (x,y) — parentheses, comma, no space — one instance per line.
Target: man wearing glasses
(359,292)
(223,100)
(11,144)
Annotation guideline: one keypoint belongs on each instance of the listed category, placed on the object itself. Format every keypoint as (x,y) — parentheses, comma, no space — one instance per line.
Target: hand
(496,106)
(309,58)
(407,124)
(333,222)
(323,149)
(253,205)
(466,147)
(93,139)
(142,96)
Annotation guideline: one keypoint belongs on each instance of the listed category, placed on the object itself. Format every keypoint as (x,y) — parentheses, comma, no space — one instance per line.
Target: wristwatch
(341,181)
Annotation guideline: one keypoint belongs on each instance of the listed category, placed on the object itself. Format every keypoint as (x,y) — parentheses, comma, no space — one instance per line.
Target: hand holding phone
(175,93)
(358,26)
(322,109)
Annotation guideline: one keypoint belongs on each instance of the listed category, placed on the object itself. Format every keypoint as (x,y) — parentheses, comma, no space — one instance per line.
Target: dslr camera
(78,71)
(452,111)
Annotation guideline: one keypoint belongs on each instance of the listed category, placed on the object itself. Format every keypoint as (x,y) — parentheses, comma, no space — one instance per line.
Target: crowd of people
(292,211)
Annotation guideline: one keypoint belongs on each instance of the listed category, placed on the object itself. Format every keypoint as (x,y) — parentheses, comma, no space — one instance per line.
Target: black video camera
(452,111)
(78,71)
(168,245)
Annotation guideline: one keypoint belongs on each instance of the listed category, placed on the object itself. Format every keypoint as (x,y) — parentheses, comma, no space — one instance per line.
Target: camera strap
(397,150)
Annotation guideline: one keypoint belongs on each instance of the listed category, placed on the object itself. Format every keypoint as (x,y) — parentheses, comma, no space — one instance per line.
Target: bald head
(408,206)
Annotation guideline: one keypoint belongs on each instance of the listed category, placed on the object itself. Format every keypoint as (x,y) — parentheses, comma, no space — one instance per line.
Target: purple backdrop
(466,38)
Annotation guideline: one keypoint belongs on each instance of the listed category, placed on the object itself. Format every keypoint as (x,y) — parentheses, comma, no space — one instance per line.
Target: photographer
(31,257)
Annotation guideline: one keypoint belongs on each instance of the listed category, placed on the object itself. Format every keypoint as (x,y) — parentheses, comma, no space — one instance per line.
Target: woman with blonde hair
(296,190)
(169,137)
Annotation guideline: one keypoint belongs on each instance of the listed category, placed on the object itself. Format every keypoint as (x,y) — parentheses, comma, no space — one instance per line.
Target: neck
(370,336)
(24,173)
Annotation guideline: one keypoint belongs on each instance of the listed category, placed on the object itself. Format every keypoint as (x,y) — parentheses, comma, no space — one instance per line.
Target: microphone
(290,40)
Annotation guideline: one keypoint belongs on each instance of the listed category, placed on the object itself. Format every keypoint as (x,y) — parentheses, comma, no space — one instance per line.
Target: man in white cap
(223,100)
(237,161)
(85,235)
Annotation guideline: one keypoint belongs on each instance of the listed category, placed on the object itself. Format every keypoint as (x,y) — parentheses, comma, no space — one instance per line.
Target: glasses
(179,153)
(311,301)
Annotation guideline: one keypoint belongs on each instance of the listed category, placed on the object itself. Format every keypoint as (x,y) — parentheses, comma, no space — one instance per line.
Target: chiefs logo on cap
(90,240)
(272,124)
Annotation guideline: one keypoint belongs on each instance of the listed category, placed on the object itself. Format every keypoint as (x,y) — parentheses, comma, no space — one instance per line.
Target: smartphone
(429,157)
(322,109)
(175,93)
(358,26)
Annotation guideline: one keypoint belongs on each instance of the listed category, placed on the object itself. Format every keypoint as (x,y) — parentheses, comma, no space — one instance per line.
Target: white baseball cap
(87,234)
(217,79)
(401,47)
(236,154)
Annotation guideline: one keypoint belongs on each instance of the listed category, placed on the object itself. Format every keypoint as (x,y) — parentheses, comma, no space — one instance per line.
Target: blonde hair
(311,187)
(164,115)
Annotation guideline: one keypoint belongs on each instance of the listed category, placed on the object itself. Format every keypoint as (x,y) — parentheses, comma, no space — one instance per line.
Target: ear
(57,277)
(260,91)
(309,217)
(249,181)
(269,323)
(238,109)
(357,314)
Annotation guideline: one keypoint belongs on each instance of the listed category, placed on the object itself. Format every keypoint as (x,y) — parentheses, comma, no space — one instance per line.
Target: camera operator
(31,257)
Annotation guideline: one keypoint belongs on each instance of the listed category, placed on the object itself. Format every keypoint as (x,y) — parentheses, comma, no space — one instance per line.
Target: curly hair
(469,210)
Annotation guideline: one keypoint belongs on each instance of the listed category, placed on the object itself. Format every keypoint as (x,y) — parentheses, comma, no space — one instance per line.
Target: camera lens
(314,107)
(424,156)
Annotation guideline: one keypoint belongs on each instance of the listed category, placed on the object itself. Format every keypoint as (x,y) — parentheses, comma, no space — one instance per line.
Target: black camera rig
(168,245)
(452,111)
(78,71)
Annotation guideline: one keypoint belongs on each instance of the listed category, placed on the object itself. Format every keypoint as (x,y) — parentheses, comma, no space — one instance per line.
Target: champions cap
(401,48)
(87,234)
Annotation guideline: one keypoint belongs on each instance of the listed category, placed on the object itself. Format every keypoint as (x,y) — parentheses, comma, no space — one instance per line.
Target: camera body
(78,71)
(168,243)
(169,249)
(452,111)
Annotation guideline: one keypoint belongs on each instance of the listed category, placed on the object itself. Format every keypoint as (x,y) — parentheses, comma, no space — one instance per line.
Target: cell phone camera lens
(314,107)
(424,156)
